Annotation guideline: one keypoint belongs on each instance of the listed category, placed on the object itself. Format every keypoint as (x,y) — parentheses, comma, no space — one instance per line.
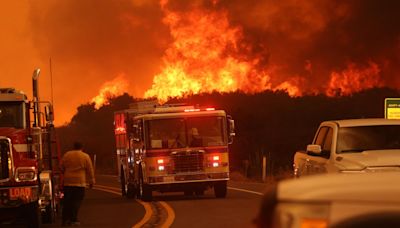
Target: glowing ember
(110,89)
(354,79)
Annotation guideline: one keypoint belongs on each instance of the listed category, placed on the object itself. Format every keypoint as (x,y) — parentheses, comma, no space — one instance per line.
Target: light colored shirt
(78,169)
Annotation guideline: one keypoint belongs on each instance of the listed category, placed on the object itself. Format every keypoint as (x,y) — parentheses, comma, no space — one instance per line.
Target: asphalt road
(108,209)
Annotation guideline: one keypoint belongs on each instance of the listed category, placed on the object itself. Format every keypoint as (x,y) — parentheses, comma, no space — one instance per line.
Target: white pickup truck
(355,145)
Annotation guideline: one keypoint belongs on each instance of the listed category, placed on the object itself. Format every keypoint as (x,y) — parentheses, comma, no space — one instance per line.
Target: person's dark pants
(73,197)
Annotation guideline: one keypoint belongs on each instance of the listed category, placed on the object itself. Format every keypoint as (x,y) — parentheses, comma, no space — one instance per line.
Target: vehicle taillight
(160,163)
(216,158)
(215,164)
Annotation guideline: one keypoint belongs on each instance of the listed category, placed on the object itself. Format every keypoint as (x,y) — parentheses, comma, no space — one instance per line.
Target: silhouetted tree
(268,123)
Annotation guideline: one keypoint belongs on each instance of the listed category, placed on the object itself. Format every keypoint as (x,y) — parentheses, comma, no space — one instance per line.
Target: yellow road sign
(392,108)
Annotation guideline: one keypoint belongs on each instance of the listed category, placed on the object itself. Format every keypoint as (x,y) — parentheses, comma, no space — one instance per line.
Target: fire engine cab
(172,148)
(29,159)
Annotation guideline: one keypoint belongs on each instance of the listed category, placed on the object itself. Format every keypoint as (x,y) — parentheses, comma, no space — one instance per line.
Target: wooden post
(94,163)
(264,168)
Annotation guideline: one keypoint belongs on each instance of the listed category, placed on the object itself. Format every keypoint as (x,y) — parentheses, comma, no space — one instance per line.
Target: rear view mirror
(49,113)
(314,149)
(231,129)
(136,132)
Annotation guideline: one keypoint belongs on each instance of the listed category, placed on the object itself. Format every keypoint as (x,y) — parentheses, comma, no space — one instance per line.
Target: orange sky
(82,59)
(320,46)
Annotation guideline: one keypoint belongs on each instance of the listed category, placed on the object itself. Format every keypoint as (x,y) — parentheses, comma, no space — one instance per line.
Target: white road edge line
(244,190)
(107,187)
(106,190)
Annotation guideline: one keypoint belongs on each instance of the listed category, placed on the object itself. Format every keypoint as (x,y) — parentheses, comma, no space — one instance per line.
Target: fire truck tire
(130,191)
(220,189)
(47,215)
(144,192)
(123,182)
(147,193)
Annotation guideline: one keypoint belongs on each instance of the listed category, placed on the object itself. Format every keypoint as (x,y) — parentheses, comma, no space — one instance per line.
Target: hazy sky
(314,45)
(89,43)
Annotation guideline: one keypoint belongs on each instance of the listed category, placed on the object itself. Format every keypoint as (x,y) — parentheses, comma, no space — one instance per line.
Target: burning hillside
(210,53)
(110,89)
(172,48)
(206,56)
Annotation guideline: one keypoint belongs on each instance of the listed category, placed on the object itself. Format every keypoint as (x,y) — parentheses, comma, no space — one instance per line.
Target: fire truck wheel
(123,183)
(131,191)
(139,191)
(220,189)
(145,193)
(47,215)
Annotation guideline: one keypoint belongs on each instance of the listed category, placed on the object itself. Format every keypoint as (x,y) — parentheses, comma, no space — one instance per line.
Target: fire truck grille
(4,159)
(188,161)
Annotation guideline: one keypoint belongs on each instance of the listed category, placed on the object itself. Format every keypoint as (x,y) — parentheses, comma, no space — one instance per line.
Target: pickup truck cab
(333,200)
(354,145)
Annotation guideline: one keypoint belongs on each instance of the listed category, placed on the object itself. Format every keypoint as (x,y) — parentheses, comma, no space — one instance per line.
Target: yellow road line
(170,214)
(146,206)
(147,215)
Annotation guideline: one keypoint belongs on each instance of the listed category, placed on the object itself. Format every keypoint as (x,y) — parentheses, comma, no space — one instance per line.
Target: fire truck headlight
(215,158)
(25,174)
(160,161)
(215,164)
(161,168)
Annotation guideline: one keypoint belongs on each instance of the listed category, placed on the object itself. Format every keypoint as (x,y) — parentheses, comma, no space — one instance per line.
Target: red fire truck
(29,159)
(172,148)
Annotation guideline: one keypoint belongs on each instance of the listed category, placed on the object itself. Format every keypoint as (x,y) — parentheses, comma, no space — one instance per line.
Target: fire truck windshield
(4,159)
(11,114)
(186,132)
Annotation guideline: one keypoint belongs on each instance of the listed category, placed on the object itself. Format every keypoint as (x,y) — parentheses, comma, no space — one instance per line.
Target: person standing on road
(78,173)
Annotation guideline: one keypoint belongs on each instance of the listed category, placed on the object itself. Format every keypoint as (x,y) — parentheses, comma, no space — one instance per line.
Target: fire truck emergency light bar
(147,107)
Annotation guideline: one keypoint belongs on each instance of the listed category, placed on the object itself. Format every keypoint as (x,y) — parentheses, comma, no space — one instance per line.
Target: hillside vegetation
(269,123)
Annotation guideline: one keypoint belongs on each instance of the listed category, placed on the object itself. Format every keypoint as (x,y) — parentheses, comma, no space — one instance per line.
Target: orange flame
(204,57)
(110,89)
(354,79)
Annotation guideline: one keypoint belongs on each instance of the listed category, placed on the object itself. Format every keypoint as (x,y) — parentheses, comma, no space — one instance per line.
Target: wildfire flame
(110,89)
(204,57)
(354,79)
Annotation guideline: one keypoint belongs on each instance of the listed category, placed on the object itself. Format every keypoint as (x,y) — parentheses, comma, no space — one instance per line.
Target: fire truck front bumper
(182,182)
(188,178)
(11,197)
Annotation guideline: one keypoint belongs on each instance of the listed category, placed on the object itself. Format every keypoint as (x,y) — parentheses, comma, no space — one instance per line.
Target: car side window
(319,140)
(326,147)
(324,139)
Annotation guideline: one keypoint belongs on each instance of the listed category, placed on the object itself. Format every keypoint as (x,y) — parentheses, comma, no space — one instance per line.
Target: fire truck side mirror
(49,113)
(231,129)
(136,132)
